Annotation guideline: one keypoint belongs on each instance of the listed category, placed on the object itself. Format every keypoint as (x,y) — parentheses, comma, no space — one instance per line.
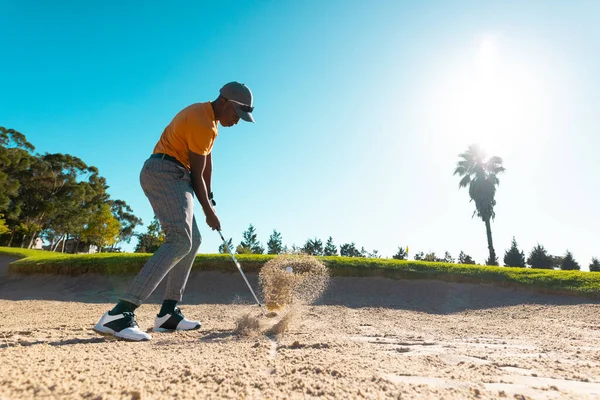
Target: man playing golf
(180,166)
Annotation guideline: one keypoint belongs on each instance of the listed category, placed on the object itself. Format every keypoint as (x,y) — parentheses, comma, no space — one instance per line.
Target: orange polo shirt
(193,128)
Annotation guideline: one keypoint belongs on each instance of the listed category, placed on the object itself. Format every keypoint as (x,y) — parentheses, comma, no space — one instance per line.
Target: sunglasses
(243,107)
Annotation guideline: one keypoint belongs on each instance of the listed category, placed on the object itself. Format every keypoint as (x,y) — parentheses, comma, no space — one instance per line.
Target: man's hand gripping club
(201,174)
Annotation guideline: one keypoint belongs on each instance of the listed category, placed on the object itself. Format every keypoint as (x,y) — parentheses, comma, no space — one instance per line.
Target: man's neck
(214,108)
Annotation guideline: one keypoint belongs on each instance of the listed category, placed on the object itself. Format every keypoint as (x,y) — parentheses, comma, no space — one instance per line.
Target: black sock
(121,307)
(168,306)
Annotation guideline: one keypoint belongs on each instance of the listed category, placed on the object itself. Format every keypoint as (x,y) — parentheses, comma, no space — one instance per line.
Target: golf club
(237,264)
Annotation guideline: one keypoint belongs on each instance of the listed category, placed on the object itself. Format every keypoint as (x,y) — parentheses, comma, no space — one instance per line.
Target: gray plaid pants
(168,186)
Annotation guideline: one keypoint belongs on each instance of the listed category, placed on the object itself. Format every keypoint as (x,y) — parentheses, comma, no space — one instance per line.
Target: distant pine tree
(539,258)
(595,265)
(330,248)
(448,258)
(275,245)
(491,261)
(374,254)
(513,257)
(250,244)
(400,254)
(569,263)
(313,247)
(350,250)
(222,248)
(465,258)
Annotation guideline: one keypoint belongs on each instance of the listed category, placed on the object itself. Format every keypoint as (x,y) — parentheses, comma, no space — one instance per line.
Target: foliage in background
(102,228)
(250,243)
(3,227)
(465,258)
(330,248)
(480,175)
(313,247)
(54,197)
(539,258)
(513,257)
(150,241)
(223,249)
(350,250)
(568,263)
(400,254)
(556,281)
(275,243)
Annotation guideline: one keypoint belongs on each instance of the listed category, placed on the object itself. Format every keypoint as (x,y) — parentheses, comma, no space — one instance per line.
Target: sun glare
(494,98)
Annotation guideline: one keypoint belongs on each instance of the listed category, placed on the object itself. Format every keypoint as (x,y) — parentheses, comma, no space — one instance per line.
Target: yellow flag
(407,249)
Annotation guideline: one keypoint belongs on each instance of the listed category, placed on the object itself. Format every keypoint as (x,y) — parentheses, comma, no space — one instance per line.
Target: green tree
(126,218)
(374,254)
(420,256)
(557,261)
(513,257)
(223,249)
(400,254)
(480,175)
(150,241)
(243,249)
(431,257)
(275,243)
(15,155)
(465,258)
(103,228)
(569,263)
(3,227)
(250,243)
(56,193)
(539,258)
(350,250)
(313,247)
(330,248)
(448,258)
(595,265)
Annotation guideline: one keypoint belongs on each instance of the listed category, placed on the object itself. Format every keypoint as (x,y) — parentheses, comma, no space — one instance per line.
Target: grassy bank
(568,282)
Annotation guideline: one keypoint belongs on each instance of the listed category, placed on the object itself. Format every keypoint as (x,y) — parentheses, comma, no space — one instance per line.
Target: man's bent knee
(181,243)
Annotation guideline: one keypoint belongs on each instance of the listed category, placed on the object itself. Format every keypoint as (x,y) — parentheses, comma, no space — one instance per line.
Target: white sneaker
(174,322)
(122,326)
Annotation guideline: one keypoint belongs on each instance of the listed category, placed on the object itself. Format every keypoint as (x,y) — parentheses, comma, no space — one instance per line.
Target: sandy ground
(369,338)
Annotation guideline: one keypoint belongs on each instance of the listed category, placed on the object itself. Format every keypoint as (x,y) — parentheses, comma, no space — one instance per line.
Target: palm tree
(481,176)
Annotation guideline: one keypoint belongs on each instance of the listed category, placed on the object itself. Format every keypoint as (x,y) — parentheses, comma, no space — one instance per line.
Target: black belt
(167,157)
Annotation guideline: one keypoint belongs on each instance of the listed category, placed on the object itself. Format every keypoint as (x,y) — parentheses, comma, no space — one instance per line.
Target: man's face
(229,117)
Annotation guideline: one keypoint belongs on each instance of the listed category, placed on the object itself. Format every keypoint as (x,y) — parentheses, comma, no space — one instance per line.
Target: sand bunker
(371,338)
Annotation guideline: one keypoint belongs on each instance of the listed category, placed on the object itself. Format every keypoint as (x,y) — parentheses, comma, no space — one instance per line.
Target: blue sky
(362,109)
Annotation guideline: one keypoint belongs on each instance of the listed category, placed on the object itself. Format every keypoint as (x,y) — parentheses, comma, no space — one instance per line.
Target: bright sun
(494,98)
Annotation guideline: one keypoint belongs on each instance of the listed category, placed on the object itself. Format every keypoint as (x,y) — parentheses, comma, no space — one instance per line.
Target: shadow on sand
(54,343)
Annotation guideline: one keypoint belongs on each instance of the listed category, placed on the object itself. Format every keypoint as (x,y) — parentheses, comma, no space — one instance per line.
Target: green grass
(567,282)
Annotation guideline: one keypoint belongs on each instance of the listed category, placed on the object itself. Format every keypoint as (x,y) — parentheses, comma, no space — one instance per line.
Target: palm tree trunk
(488,228)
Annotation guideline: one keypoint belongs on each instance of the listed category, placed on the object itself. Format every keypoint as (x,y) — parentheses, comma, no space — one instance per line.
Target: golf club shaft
(237,264)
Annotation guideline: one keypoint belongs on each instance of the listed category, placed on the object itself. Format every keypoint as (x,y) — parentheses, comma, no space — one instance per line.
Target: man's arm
(197,169)
(207,174)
